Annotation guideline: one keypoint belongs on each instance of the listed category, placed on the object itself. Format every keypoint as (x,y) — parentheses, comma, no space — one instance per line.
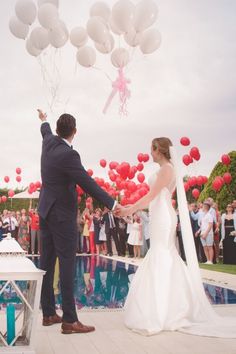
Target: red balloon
(113,165)
(200,180)
(18,170)
(225,159)
(173,201)
(6,179)
(194,153)
(187,159)
(142,191)
(140,157)
(32,185)
(124,169)
(79,190)
(38,184)
(112,176)
(217,183)
(18,178)
(140,167)
(123,201)
(186,186)
(145,158)
(11,193)
(195,193)
(192,181)
(227,178)
(132,186)
(185,141)
(90,172)
(103,163)
(205,179)
(141,177)
(4,199)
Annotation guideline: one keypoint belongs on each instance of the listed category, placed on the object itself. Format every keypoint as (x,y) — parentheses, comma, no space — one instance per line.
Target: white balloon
(97,30)
(19,29)
(100,9)
(145,15)
(31,49)
(26,11)
(120,57)
(132,38)
(78,36)
(54,2)
(39,38)
(150,41)
(122,14)
(114,28)
(63,25)
(48,16)
(86,56)
(107,47)
(58,36)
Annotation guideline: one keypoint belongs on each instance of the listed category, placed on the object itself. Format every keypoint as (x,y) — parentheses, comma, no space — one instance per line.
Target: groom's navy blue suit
(61,170)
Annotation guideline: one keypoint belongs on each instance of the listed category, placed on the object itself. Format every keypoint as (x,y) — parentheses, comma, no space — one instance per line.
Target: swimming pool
(102,283)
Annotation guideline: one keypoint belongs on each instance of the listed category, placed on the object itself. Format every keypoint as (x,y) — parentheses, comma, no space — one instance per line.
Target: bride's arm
(163,179)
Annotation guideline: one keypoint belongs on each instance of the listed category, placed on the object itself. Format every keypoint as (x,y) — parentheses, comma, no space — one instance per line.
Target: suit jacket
(61,170)
(106,221)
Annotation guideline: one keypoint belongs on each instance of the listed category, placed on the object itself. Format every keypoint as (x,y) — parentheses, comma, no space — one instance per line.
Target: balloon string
(99,69)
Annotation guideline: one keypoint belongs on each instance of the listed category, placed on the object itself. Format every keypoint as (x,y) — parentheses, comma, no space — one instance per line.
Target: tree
(228,192)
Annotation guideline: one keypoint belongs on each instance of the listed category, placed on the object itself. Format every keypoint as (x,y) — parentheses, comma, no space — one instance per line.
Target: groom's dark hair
(66,125)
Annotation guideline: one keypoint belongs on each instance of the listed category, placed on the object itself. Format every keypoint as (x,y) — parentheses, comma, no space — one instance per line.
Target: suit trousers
(112,233)
(58,239)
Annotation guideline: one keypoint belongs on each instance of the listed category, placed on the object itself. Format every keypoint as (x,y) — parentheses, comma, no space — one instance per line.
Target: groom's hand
(42,116)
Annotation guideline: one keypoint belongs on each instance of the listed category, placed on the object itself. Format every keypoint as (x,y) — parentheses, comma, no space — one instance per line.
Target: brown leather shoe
(76,327)
(50,320)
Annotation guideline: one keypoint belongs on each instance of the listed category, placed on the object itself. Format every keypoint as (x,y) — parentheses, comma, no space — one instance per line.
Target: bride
(165,293)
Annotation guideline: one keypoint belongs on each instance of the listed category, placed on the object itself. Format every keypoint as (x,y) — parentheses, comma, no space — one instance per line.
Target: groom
(61,170)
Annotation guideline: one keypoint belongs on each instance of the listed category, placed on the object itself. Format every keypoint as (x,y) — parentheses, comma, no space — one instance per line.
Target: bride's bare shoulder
(166,170)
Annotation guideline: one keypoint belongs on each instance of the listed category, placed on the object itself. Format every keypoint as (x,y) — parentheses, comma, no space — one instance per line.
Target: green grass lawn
(219,267)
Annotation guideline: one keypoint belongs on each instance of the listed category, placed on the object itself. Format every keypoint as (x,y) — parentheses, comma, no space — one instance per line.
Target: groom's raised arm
(45,127)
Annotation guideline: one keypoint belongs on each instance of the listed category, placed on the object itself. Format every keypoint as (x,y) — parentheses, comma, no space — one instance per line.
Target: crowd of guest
(23,226)
(100,232)
(214,232)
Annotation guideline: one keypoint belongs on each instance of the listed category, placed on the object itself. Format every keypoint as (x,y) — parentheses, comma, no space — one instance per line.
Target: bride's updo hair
(163,146)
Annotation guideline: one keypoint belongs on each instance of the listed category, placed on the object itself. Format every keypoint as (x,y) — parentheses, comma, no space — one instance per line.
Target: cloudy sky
(186,88)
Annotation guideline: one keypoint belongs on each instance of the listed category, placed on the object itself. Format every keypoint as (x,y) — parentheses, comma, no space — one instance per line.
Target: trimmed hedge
(228,192)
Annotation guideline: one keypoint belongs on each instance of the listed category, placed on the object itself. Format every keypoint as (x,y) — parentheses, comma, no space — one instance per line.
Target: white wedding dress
(164,294)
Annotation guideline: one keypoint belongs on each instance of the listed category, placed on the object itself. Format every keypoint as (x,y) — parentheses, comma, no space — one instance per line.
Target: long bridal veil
(206,321)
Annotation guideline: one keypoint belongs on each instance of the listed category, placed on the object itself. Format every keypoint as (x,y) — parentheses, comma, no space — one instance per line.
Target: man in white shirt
(12,224)
(206,232)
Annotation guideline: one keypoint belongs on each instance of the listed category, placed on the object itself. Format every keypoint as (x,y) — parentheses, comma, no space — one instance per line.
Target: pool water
(104,283)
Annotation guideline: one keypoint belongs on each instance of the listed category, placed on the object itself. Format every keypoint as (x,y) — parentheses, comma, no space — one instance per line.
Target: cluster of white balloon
(52,30)
(125,20)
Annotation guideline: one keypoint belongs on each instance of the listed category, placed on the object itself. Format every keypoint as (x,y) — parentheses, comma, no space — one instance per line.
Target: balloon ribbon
(119,86)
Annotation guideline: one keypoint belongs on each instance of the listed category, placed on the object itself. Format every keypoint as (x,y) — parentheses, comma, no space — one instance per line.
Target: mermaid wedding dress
(165,293)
